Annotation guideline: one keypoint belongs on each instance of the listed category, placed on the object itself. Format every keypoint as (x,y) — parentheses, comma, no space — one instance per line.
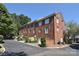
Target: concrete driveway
(14,48)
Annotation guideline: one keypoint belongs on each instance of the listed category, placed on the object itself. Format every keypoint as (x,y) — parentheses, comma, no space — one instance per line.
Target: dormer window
(46,21)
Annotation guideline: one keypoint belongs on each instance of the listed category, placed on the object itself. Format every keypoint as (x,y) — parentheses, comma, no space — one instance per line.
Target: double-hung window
(46,30)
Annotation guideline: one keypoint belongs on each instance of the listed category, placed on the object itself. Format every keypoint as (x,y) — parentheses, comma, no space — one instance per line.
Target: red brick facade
(52,30)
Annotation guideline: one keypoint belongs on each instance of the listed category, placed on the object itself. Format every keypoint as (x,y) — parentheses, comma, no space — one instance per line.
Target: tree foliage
(21,20)
(6,23)
(10,23)
(72,29)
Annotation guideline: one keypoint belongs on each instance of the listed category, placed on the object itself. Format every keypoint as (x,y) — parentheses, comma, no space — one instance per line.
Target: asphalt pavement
(14,48)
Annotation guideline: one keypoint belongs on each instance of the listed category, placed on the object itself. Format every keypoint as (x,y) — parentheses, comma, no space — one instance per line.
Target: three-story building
(51,28)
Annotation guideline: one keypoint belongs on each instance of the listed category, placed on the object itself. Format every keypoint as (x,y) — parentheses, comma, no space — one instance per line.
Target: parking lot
(14,48)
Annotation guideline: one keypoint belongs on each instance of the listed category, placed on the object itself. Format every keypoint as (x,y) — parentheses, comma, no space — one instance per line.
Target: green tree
(7,25)
(11,23)
(24,19)
(16,19)
(20,20)
(72,29)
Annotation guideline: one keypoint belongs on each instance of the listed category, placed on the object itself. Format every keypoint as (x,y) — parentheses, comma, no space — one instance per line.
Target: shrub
(32,41)
(19,38)
(1,39)
(68,41)
(29,40)
(43,42)
(25,39)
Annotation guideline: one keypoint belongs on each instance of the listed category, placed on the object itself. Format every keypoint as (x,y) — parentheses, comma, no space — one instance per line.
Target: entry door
(39,41)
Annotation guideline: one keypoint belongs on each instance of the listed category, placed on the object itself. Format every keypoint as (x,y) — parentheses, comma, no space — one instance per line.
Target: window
(43,22)
(46,21)
(33,25)
(39,31)
(46,30)
(33,31)
(28,26)
(26,32)
(40,23)
(57,29)
(57,20)
(29,30)
(36,25)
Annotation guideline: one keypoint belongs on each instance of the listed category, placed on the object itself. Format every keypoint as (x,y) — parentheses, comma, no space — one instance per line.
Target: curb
(2,49)
(60,46)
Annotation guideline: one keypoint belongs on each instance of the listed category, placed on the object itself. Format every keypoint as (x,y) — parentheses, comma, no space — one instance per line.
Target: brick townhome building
(50,28)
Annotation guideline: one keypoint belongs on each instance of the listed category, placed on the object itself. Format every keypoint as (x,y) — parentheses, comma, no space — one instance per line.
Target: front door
(39,41)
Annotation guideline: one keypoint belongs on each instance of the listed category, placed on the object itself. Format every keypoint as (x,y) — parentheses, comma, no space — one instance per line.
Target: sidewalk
(59,46)
(33,44)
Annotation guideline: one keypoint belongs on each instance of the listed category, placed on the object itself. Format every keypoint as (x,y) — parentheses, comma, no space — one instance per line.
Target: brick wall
(55,30)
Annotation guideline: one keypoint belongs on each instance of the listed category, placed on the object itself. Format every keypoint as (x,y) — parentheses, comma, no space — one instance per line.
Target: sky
(39,10)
